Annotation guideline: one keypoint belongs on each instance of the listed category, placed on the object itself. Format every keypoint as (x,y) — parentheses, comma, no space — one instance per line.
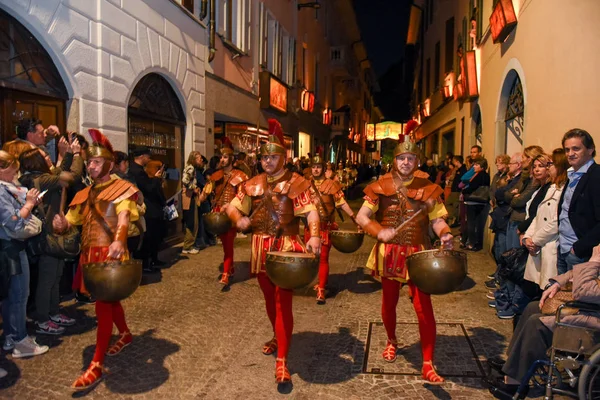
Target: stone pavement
(192,340)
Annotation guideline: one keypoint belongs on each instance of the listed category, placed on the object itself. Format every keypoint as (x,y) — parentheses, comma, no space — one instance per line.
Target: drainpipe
(211,39)
(203,9)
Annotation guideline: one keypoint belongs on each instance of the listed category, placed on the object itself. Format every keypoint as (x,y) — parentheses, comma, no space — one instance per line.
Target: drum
(112,280)
(291,270)
(438,271)
(346,241)
(217,223)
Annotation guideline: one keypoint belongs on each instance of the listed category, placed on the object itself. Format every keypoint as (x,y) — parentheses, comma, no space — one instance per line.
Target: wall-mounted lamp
(312,4)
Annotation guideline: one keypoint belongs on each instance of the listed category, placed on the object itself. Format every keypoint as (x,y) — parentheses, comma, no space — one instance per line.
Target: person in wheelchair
(533,335)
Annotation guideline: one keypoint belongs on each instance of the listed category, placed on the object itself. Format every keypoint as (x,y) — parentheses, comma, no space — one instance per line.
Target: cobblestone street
(192,340)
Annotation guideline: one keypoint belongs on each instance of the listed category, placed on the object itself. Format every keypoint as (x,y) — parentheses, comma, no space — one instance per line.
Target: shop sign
(370,132)
(471,89)
(236,128)
(157,151)
(273,93)
(388,130)
(308,101)
(503,20)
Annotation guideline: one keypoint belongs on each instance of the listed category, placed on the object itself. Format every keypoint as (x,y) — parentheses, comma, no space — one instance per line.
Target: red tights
(422,305)
(278,302)
(107,313)
(227,240)
(324,266)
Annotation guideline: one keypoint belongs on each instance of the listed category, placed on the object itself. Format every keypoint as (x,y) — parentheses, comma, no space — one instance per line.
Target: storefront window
(156,120)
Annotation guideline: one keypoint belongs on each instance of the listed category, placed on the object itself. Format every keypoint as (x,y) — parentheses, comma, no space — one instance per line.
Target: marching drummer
(225,183)
(404,205)
(104,210)
(272,204)
(328,195)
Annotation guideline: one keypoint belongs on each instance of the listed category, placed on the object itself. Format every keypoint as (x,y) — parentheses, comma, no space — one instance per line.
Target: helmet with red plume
(227,146)
(275,143)
(101,146)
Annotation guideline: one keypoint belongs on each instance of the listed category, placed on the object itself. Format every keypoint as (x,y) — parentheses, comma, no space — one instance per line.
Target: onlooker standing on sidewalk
(477,210)
(500,208)
(202,239)
(36,174)
(579,207)
(190,201)
(155,201)
(453,201)
(16,204)
(520,195)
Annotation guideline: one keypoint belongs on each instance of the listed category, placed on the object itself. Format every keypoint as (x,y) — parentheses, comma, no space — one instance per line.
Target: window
(263,24)
(289,60)
(428,77)
(234,22)
(317,80)
(476,27)
(187,4)
(436,71)
(431,11)
(449,46)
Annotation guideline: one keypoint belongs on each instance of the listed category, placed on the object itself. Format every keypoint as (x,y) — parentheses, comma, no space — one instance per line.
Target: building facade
(527,86)
(277,59)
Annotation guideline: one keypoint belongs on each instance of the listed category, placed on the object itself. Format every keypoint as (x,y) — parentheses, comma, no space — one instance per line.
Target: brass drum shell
(291,272)
(217,223)
(438,271)
(112,280)
(346,241)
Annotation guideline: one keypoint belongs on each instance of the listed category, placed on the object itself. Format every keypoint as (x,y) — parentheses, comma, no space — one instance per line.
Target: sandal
(430,374)
(225,279)
(282,374)
(270,347)
(124,341)
(320,294)
(90,378)
(389,354)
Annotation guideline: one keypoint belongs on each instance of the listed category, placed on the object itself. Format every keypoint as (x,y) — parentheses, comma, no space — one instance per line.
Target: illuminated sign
(384,130)
(502,20)
(471,87)
(308,101)
(370,132)
(273,93)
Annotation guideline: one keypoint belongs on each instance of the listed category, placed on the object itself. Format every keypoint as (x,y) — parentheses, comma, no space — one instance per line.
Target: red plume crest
(276,130)
(410,126)
(227,143)
(99,138)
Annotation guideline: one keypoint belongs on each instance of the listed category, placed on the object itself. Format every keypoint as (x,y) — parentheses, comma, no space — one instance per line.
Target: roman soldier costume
(97,208)
(395,199)
(225,186)
(327,196)
(275,203)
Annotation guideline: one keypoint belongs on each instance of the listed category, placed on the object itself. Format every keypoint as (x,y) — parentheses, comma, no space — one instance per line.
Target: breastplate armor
(395,209)
(224,192)
(263,222)
(93,234)
(325,207)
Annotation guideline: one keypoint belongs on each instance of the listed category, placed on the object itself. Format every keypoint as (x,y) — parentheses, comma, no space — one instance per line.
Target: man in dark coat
(154,198)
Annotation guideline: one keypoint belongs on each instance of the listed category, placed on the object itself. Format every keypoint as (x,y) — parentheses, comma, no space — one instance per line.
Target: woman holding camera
(16,205)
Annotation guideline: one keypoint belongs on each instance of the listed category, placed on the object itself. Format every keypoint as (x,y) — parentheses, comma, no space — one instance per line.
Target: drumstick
(397,229)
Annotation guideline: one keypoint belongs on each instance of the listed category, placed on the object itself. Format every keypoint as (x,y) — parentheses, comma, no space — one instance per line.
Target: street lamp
(312,4)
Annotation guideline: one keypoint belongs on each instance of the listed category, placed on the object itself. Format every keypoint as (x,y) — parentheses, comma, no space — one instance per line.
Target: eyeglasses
(513,163)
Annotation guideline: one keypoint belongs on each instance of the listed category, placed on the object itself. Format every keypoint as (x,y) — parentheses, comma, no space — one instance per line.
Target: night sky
(383,25)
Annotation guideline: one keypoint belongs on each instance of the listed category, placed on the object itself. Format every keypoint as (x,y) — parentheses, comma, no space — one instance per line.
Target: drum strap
(99,218)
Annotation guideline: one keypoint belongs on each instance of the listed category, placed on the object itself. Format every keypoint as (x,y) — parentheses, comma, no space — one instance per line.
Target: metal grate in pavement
(454,353)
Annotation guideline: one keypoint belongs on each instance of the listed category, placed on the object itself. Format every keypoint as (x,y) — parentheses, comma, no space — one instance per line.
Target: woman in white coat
(541,238)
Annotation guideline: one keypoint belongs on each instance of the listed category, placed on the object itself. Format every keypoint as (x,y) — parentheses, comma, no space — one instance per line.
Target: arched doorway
(30,84)
(514,118)
(157,120)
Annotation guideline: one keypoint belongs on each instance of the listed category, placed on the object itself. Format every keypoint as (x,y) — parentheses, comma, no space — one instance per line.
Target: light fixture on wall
(312,4)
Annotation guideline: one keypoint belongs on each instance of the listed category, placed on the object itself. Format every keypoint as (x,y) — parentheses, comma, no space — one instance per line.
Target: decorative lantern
(427,108)
(502,20)
(327,116)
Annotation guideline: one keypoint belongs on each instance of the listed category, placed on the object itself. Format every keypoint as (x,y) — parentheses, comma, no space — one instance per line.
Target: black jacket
(480,179)
(151,188)
(459,173)
(584,212)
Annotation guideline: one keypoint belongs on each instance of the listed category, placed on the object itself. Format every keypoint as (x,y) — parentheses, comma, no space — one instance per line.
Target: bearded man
(328,195)
(225,183)
(104,210)
(401,197)
(272,204)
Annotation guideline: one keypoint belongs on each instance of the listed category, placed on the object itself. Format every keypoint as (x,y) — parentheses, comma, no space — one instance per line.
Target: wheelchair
(573,367)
